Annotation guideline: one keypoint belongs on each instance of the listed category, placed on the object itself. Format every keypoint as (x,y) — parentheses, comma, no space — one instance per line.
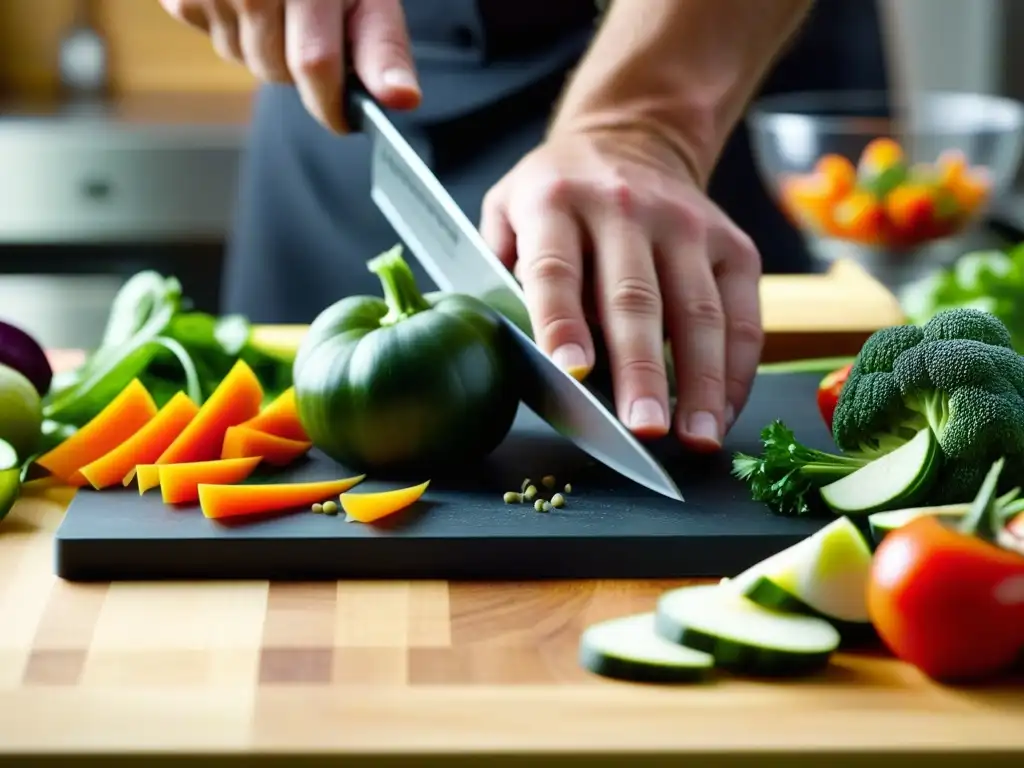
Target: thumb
(381,53)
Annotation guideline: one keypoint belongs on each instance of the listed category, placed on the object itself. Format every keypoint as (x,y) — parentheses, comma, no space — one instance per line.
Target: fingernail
(400,78)
(570,357)
(730,416)
(646,413)
(703,425)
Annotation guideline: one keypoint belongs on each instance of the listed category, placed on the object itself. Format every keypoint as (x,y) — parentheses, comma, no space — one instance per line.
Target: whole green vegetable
(957,375)
(407,381)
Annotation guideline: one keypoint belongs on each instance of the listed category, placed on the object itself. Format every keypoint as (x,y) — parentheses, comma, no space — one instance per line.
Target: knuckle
(705,313)
(554,192)
(492,200)
(745,331)
(552,267)
(642,367)
(619,194)
(315,63)
(706,382)
(635,296)
(687,218)
(555,324)
(743,256)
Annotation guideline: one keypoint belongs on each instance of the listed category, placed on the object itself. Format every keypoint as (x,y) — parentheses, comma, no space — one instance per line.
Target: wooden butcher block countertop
(388,670)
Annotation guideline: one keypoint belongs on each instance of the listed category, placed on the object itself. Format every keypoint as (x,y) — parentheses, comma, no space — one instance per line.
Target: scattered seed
(530,493)
(547,506)
(568,488)
(548,481)
(525,484)
(318,509)
(540,505)
(511,497)
(557,501)
(330,507)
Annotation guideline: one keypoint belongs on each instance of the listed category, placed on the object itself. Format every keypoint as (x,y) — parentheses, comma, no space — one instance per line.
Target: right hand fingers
(629,305)
(549,264)
(695,322)
(314,51)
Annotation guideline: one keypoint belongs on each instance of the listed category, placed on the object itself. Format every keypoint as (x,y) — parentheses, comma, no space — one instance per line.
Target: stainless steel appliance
(90,193)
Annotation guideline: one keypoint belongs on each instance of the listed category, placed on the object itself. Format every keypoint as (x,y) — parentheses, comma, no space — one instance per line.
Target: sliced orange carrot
(148,476)
(123,416)
(145,446)
(221,501)
(242,441)
(179,483)
(370,507)
(236,399)
(280,418)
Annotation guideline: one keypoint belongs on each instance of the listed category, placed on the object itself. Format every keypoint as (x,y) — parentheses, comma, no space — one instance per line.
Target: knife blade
(457,258)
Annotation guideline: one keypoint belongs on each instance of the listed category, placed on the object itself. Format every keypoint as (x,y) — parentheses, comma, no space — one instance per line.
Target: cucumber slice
(630,649)
(883,523)
(825,575)
(744,637)
(889,480)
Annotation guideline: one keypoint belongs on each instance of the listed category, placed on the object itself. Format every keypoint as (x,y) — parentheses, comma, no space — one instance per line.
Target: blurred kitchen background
(121,134)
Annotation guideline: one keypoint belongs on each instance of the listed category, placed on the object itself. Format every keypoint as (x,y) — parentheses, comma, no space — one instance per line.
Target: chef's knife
(454,254)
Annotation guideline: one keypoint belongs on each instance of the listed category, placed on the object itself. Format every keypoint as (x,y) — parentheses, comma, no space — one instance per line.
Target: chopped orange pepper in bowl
(879,200)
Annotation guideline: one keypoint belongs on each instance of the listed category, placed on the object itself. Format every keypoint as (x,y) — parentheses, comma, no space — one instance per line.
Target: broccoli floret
(957,375)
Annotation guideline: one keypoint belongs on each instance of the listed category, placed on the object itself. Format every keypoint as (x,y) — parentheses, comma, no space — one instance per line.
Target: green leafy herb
(787,475)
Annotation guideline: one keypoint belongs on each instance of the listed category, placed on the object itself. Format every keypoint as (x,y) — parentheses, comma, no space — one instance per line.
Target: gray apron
(305,226)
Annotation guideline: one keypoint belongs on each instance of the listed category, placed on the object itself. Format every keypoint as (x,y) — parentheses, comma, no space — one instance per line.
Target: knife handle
(354,95)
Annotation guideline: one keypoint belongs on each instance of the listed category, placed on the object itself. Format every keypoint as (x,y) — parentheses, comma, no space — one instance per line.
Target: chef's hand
(612,222)
(304,42)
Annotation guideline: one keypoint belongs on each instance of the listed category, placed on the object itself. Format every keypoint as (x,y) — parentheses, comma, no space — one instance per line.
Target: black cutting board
(462,529)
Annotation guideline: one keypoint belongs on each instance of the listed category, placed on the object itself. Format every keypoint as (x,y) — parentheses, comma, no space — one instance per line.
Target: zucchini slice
(888,481)
(628,648)
(824,575)
(883,523)
(742,636)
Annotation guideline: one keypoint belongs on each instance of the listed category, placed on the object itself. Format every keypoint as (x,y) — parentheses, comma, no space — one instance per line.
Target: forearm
(686,68)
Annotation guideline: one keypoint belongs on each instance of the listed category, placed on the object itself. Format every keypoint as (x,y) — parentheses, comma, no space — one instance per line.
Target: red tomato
(828,392)
(947,602)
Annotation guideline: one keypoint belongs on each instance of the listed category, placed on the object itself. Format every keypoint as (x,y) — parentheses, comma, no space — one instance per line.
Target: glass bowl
(892,186)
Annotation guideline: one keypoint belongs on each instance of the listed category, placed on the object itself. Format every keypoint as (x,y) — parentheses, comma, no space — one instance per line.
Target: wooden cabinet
(149,51)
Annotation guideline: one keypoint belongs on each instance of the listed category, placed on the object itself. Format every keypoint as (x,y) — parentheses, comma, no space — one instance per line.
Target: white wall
(949,44)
